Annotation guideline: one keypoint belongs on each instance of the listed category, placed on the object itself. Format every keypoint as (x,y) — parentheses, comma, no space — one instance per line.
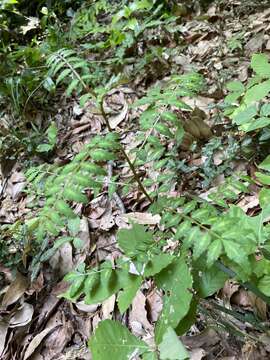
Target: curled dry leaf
(116,120)
(86,308)
(15,290)
(22,316)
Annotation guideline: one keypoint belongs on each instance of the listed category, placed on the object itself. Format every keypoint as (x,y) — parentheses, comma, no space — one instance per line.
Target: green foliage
(248,107)
(207,236)
(113,341)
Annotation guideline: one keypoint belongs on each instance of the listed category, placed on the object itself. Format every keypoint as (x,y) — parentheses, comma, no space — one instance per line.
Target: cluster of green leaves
(217,241)
(162,124)
(248,104)
(143,258)
(59,187)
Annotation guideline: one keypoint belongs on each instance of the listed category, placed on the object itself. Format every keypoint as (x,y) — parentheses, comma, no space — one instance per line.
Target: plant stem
(130,164)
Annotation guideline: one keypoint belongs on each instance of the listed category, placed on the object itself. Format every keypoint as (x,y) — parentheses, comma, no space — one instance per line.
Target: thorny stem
(130,164)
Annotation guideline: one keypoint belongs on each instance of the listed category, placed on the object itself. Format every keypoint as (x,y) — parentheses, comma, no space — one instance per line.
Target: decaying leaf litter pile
(36,323)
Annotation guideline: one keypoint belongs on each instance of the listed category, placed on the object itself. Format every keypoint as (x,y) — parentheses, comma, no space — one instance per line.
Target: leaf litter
(56,329)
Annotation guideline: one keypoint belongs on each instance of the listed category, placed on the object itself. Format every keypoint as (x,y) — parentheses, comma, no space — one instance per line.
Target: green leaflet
(257,92)
(214,252)
(113,341)
(75,195)
(210,281)
(102,155)
(175,279)
(129,291)
(64,208)
(235,86)
(201,244)
(265,165)
(264,285)
(171,348)
(135,240)
(259,63)
(157,263)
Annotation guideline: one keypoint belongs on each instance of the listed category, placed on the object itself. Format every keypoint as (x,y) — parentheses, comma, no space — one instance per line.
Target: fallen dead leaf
(116,120)
(3,334)
(197,354)
(15,290)
(141,218)
(36,341)
(108,307)
(138,315)
(22,316)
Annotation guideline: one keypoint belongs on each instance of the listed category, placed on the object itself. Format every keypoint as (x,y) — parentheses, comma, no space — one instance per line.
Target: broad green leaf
(259,63)
(44,148)
(234,251)
(157,263)
(265,165)
(264,179)
(246,115)
(149,356)
(164,130)
(264,197)
(214,252)
(113,341)
(91,280)
(108,285)
(129,291)
(193,235)
(256,124)
(134,241)
(52,133)
(76,287)
(92,168)
(84,98)
(74,84)
(210,281)
(265,110)
(189,319)
(171,348)
(176,281)
(201,245)
(235,86)
(169,116)
(257,92)
(264,285)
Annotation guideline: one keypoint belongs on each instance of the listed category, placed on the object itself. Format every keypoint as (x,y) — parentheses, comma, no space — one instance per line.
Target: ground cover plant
(134,194)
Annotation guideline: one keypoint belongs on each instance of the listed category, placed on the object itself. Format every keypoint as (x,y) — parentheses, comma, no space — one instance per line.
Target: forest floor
(36,323)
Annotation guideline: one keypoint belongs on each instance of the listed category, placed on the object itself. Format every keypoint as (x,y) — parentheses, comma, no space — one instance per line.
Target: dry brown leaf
(62,260)
(108,307)
(197,354)
(116,120)
(141,218)
(86,308)
(138,315)
(154,302)
(22,316)
(36,341)
(15,290)
(3,334)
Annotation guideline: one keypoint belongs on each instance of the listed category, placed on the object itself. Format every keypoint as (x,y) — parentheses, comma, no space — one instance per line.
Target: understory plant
(189,256)
(198,244)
